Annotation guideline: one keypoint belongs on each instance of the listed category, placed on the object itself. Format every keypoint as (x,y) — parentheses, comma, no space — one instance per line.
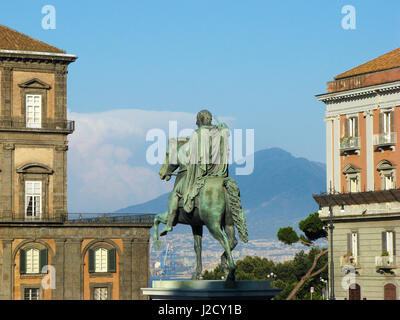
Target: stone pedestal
(210,290)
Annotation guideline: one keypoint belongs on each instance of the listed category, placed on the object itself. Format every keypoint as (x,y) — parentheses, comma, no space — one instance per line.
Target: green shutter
(43,260)
(394,243)
(111,261)
(384,248)
(91,260)
(391,121)
(356,126)
(381,122)
(349,244)
(22,261)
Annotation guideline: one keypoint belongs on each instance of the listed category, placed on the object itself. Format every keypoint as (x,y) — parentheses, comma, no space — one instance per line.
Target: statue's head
(204,118)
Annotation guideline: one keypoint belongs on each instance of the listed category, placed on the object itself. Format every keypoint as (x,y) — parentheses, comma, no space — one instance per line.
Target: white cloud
(107,169)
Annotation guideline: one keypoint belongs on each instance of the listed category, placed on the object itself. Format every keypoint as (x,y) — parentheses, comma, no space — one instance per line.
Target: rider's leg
(173,201)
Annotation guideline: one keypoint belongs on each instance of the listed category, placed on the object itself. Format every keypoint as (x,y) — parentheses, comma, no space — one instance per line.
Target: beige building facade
(44,254)
(363,182)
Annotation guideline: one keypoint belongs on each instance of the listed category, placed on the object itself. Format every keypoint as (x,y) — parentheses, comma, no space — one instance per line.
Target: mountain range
(278,193)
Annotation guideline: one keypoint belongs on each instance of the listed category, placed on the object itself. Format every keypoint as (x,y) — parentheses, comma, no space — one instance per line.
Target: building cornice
(34,55)
(359,92)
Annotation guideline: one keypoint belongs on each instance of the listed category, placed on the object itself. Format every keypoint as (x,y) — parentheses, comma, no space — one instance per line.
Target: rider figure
(206,154)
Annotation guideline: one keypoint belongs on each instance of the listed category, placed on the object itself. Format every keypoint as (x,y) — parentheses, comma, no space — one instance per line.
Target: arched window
(32,260)
(102,259)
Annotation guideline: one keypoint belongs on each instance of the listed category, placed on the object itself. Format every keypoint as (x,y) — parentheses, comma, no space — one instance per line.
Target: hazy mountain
(278,192)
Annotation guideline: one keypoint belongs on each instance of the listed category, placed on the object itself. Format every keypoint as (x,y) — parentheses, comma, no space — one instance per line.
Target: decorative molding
(34,84)
(9,146)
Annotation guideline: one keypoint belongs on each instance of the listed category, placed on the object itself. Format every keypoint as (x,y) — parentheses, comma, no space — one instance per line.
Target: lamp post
(272,276)
(332,266)
(325,293)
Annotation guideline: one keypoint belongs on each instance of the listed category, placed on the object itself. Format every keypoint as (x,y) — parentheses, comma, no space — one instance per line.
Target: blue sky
(259,62)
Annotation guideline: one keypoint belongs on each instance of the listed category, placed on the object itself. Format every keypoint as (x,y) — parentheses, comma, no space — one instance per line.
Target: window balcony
(350,144)
(384,140)
(347,260)
(50,125)
(385,262)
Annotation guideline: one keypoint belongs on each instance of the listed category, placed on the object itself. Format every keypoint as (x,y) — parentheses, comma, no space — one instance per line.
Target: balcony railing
(110,218)
(81,218)
(347,260)
(385,262)
(350,144)
(49,124)
(385,139)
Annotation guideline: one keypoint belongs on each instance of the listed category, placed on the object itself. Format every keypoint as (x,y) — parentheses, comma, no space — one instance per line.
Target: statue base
(210,290)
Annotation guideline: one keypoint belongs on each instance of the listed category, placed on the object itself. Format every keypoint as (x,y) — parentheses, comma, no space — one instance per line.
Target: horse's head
(171,162)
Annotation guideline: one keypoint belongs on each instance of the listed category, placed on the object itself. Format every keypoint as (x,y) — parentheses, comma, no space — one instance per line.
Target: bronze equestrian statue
(203,192)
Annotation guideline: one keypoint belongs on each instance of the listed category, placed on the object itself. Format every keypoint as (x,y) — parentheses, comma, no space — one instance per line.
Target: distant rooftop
(14,40)
(387,61)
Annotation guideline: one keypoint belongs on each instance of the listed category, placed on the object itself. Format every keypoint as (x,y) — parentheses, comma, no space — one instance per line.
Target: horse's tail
(235,207)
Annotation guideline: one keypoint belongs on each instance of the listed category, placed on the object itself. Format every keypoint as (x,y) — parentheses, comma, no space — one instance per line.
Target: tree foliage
(288,274)
(313,229)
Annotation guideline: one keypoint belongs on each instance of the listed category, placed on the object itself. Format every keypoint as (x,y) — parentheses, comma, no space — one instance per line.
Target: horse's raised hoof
(165,231)
(157,244)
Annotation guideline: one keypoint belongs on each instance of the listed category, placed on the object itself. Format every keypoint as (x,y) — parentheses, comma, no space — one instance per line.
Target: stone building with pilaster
(363,184)
(44,254)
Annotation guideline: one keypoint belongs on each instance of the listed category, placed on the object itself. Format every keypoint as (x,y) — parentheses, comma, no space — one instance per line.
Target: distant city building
(43,254)
(363,180)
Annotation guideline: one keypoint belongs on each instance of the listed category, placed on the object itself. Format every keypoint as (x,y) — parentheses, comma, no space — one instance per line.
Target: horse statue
(217,206)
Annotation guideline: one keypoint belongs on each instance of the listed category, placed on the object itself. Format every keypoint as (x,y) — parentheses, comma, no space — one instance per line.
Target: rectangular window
(387,119)
(33,111)
(388,182)
(354,244)
(353,127)
(33,199)
(101,256)
(32,261)
(31,294)
(390,242)
(100,293)
(353,185)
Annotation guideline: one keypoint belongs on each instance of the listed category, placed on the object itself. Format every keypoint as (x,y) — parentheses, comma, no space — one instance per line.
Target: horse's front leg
(158,218)
(197,235)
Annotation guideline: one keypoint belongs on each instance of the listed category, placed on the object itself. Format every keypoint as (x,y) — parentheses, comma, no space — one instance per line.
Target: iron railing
(83,218)
(385,262)
(385,139)
(62,125)
(350,143)
(110,218)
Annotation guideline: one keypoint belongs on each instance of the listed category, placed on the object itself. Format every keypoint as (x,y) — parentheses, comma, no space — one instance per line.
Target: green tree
(313,229)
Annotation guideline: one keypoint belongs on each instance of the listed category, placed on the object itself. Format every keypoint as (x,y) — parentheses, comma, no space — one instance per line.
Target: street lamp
(331,227)
(326,287)
(271,275)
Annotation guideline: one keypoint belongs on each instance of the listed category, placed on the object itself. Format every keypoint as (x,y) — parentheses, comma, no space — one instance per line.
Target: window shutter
(380,122)
(394,243)
(384,247)
(346,128)
(358,244)
(356,126)
(349,244)
(111,260)
(43,260)
(391,121)
(91,260)
(22,261)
